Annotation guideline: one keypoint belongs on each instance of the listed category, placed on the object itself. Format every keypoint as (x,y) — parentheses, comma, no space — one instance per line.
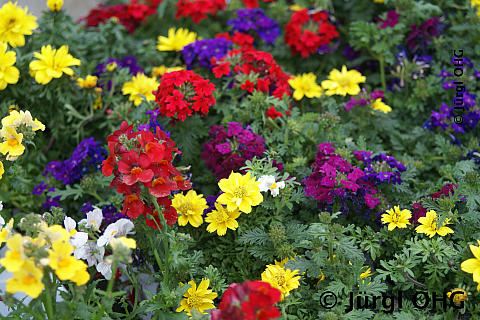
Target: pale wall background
(75,8)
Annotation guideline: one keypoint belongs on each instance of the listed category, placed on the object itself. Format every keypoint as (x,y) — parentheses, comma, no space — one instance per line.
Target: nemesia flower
(93,220)
(197,298)
(283,279)
(55,5)
(429,225)
(221,219)
(139,88)
(16,118)
(28,279)
(190,208)
(396,218)
(8,73)
(268,183)
(305,85)
(343,82)
(52,63)
(240,192)
(77,239)
(119,228)
(176,40)
(66,266)
(473,265)
(15,24)
(15,256)
(12,144)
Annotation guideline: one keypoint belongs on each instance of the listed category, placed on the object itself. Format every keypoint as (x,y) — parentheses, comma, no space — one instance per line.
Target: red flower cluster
(130,15)
(141,159)
(251,300)
(271,79)
(305,41)
(419,210)
(198,9)
(273,113)
(183,92)
(250,4)
(243,40)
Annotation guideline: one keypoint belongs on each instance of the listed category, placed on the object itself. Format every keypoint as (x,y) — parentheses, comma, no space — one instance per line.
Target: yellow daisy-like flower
(87,83)
(161,70)
(240,192)
(459,295)
(473,265)
(8,73)
(176,40)
(296,7)
(380,106)
(190,208)
(16,118)
(396,218)
(28,279)
(343,82)
(141,85)
(12,144)
(55,5)
(284,280)
(52,63)
(221,219)
(305,85)
(199,299)
(429,225)
(15,256)
(15,23)
(379,1)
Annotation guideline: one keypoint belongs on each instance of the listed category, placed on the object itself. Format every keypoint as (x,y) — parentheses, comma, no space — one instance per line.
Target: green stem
(112,279)
(155,252)
(381,60)
(47,301)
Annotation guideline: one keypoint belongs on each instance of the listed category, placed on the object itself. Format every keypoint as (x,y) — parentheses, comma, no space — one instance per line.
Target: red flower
(221,70)
(248,85)
(250,4)
(133,206)
(134,168)
(273,113)
(198,9)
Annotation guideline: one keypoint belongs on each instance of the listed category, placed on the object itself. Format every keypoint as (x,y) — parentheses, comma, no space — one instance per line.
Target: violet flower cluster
(380,168)
(421,36)
(404,58)
(153,124)
(202,51)
(335,180)
(391,19)
(255,22)
(229,149)
(127,62)
(443,118)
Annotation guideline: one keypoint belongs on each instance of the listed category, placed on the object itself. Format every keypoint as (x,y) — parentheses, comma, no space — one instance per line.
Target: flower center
(344,82)
(279,279)
(240,192)
(185,207)
(28,280)
(273,186)
(12,142)
(11,23)
(136,170)
(158,181)
(193,302)
(64,263)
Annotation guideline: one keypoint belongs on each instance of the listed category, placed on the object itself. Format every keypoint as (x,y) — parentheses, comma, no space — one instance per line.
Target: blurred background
(76,8)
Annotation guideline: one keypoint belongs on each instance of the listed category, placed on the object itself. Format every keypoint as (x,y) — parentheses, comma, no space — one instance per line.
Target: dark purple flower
(255,22)
(391,20)
(38,189)
(202,51)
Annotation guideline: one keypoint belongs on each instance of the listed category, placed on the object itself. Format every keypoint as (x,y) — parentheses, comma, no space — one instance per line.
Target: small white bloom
(105,269)
(94,219)
(77,239)
(121,227)
(269,183)
(1,208)
(90,252)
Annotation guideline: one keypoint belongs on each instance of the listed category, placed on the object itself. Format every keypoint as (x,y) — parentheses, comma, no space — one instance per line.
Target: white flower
(2,222)
(94,219)
(269,183)
(1,208)
(77,239)
(90,252)
(119,228)
(105,269)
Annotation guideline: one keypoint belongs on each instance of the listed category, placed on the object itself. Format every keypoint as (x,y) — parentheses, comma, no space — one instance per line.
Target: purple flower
(391,20)
(223,148)
(38,189)
(255,22)
(86,207)
(202,51)
(444,74)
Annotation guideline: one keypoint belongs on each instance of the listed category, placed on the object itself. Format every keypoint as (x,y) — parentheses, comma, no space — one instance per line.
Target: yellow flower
(343,83)
(2,171)
(366,274)
(12,144)
(122,242)
(7,230)
(199,299)
(473,265)
(176,40)
(15,256)
(15,119)
(8,73)
(15,23)
(476,3)
(296,7)
(87,83)
(28,279)
(161,70)
(65,265)
(284,280)
(396,218)
(111,66)
(380,106)
(240,192)
(379,1)
(221,219)
(429,225)
(141,85)
(190,208)
(52,63)
(459,295)
(305,85)
(55,5)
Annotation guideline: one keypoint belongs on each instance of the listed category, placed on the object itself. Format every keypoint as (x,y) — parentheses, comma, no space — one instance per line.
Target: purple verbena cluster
(380,168)
(391,19)
(202,51)
(153,124)
(334,179)
(87,157)
(363,99)
(255,22)
(421,36)
(229,149)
